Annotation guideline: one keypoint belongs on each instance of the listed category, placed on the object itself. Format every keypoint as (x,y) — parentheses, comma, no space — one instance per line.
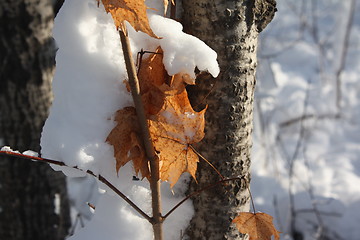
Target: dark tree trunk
(231,28)
(27,190)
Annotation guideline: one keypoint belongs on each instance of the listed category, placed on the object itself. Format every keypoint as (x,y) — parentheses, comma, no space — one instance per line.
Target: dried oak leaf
(133,11)
(259,226)
(172,130)
(127,144)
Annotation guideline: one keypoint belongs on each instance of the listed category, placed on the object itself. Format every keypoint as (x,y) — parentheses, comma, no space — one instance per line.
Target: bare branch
(99,177)
(344,54)
(149,147)
(304,117)
(199,191)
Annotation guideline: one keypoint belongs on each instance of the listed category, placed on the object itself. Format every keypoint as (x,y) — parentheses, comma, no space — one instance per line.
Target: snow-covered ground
(306,155)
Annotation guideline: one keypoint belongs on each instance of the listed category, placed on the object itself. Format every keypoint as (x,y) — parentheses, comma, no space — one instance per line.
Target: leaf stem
(207,161)
(199,191)
(252,200)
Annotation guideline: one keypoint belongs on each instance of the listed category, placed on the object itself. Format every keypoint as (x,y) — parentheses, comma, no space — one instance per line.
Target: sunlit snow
(88,89)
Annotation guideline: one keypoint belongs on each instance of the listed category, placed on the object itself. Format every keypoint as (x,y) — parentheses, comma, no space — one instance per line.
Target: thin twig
(207,161)
(344,55)
(307,117)
(77,219)
(252,200)
(99,177)
(293,159)
(200,191)
(148,144)
(139,58)
(321,228)
(277,212)
(330,214)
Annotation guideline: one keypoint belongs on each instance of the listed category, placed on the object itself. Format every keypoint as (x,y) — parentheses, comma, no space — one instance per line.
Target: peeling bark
(27,190)
(231,28)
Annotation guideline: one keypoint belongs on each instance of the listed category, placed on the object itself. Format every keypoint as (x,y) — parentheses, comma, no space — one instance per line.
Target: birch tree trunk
(231,28)
(28,191)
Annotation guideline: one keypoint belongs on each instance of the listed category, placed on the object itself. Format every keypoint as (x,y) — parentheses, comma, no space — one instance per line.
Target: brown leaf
(259,226)
(133,11)
(127,145)
(173,124)
(152,73)
(161,95)
(172,130)
(156,84)
(151,70)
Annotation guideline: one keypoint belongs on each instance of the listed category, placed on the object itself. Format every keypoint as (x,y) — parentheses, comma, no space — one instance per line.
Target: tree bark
(28,191)
(231,28)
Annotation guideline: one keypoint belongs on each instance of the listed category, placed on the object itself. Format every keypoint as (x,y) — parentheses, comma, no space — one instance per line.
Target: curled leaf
(156,84)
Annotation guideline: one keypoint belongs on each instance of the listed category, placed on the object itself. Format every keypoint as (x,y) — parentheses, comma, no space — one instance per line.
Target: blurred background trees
(33,198)
(306,133)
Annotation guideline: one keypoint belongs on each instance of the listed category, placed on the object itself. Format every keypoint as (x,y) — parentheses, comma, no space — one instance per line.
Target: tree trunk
(28,191)
(231,28)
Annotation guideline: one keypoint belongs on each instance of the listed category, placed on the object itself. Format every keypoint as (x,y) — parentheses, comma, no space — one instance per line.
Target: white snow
(88,89)
(57,203)
(296,77)
(31,153)
(8,149)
